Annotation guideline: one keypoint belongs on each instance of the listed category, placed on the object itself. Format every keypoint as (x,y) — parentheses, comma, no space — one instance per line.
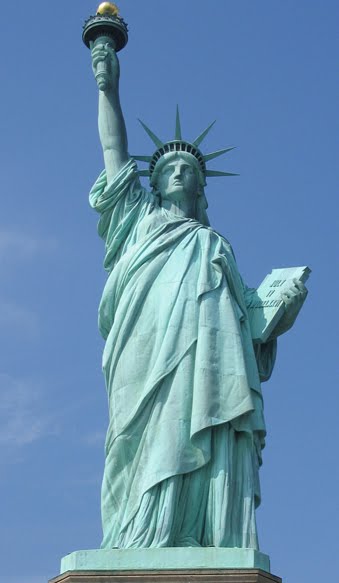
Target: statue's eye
(168,171)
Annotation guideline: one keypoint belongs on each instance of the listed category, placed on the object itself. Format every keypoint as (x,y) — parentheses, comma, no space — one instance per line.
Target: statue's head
(177,169)
(177,176)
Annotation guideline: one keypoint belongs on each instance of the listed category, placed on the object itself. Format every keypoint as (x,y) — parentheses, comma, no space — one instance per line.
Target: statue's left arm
(265,353)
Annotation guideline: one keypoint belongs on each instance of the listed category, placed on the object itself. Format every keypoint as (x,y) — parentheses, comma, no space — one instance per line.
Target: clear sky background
(267,71)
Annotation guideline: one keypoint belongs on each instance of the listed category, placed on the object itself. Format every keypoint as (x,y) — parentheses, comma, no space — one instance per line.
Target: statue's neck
(181,208)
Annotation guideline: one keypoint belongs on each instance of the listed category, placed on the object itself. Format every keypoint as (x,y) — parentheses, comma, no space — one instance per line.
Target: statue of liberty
(183,375)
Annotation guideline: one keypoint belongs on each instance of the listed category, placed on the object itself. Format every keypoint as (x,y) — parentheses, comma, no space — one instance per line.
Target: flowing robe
(186,427)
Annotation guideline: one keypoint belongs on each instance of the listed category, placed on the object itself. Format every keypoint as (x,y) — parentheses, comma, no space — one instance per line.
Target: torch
(106,27)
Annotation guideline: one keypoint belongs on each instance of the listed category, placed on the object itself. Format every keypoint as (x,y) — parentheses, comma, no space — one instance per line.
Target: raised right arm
(112,129)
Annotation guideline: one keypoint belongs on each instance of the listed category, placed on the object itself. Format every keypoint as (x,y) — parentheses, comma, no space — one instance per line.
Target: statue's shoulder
(226,245)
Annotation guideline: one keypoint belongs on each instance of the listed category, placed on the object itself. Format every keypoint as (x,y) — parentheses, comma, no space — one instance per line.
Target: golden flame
(108,8)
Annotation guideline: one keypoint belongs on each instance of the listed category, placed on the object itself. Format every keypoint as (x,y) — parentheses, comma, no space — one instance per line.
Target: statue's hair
(202,204)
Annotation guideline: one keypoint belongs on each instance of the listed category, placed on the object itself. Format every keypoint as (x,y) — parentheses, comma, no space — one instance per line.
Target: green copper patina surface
(164,559)
(183,376)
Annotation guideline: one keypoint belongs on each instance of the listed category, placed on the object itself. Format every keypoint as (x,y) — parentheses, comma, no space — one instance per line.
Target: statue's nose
(178,171)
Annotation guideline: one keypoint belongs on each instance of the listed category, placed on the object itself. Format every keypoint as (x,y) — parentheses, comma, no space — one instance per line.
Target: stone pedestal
(177,576)
(166,565)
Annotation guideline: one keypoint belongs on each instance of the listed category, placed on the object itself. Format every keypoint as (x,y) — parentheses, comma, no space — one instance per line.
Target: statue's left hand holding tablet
(293,299)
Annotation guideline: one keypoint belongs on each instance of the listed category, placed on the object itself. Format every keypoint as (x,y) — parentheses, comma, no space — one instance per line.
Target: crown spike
(154,138)
(218,173)
(213,155)
(142,158)
(202,136)
(178,135)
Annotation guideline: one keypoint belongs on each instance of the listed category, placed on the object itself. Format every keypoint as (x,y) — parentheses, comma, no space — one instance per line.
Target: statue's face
(178,180)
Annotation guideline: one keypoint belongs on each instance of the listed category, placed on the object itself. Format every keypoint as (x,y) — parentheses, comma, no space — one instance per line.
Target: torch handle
(103,68)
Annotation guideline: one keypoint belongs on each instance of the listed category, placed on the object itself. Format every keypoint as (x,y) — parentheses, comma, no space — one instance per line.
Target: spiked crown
(180,145)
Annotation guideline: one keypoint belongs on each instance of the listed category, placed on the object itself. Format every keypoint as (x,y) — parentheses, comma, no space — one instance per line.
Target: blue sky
(267,71)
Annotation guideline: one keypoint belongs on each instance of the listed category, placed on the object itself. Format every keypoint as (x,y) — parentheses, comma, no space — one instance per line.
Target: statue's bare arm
(112,129)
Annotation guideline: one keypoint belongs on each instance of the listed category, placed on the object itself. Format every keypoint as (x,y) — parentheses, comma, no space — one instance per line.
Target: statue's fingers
(98,59)
(297,283)
(301,287)
(299,291)
(96,56)
(99,54)
(95,49)
(286,298)
(294,290)
(297,286)
(110,49)
(293,298)
(300,284)
(100,50)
